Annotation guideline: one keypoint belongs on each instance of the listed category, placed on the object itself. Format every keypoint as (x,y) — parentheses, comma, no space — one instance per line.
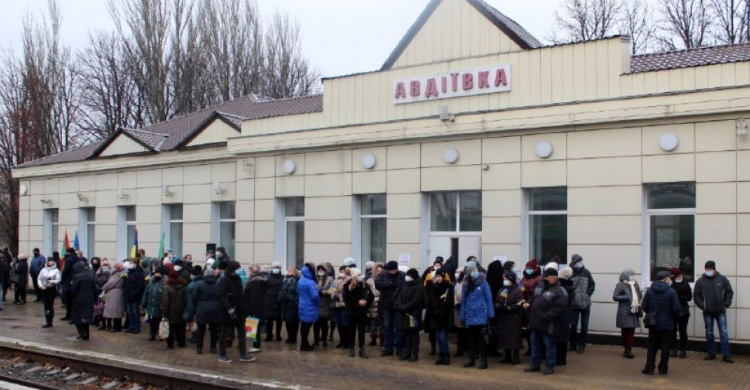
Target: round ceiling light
(668,142)
(369,161)
(450,155)
(543,149)
(289,166)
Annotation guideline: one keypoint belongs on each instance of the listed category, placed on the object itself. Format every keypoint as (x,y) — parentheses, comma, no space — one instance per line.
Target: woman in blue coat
(477,312)
(308,304)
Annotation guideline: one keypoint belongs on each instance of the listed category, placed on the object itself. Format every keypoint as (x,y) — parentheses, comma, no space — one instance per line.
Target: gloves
(232,313)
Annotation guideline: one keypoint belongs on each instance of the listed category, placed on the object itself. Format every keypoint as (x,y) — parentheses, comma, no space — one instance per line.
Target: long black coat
(289,299)
(174,300)
(68,272)
(21,269)
(134,285)
(4,269)
(352,298)
(230,293)
(271,302)
(254,296)
(440,300)
(409,301)
(207,301)
(82,295)
(509,312)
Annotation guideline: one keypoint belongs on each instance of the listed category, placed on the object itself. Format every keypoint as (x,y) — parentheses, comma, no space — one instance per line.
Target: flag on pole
(161,246)
(134,250)
(76,243)
(64,249)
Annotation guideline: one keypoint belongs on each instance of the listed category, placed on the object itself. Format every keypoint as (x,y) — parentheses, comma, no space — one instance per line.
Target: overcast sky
(338,36)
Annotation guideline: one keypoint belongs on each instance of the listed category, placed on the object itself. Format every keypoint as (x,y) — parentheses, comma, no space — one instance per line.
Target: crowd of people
(491,311)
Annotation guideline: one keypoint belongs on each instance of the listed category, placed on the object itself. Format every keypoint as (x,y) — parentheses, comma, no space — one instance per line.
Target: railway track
(45,370)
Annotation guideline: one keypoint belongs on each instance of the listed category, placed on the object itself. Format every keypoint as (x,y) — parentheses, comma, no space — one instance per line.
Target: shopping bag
(251,328)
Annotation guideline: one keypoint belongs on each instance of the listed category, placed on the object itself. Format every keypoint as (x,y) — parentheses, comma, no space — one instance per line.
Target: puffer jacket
(151,300)
(21,269)
(685,295)
(271,302)
(289,299)
(101,278)
(49,277)
(623,295)
(477,304)
(584,287)
(388,284)
(134,285)
(662,301)
(410,300)
(206,301)
(174,300)
(376,295)
(82,295)
(308,297)
(230,293)
(548,309)
(714,294)
(326,290)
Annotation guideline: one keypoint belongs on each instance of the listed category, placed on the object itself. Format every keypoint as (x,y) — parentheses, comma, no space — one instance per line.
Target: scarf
(636,303)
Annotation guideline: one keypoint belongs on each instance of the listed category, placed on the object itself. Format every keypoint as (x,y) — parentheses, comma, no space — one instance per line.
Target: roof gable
(453,29)
(215,130)
(121,143)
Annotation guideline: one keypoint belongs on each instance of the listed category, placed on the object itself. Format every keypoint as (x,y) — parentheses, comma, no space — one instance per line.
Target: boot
(333,328)
(363,354)
(373,340)
(483,359)
(628,353)
(102,324)
(447,359)
(351,352)
(414,357)
(470,362)
(432,348)
(516,358)
(440,360)
(673,354)
(507,358)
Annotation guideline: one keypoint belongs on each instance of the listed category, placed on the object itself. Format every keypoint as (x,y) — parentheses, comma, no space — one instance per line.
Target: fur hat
(370,265)
(349,262)
(552,264)
(565,273)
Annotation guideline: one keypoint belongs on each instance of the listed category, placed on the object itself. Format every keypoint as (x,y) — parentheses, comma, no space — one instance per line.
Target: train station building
(472,139)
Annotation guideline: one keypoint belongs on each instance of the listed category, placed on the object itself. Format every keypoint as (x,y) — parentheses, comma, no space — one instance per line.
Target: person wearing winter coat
(21,271)
(713,294)
(271,305)
(4,278)
(82,296)
(37,265)
(388,283)
(47,281)
(427,324)
(196,275)
(563,336)
(132,289)
(685,295)
(70,260)
(326,290)
(409,302)
(173,303)
(661,303)
(531,278)
(309,302)
(207,306)
(151,301)
(339,307)
(101,276)
(462,334)
(231,315)
(451,266)
(114,302)
(254,299)
(376,323)
(509,318)
(477,313)
(628,296)
(358,299)
(440,304)
(289,304)
(581,308)
(546,311)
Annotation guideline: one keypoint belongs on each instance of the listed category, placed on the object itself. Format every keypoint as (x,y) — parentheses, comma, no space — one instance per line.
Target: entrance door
(461,246)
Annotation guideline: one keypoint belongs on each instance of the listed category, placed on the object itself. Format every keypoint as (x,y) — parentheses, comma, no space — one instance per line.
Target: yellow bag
(251,328)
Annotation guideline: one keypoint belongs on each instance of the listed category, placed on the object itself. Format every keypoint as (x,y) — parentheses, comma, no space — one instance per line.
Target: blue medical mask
(578,265)
(507,283)
(474,274)
(277,271)
(529,271)
(710,274)
(631,278)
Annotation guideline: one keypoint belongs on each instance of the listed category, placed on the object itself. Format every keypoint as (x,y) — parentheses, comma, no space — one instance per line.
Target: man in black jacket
(71,258)
(4,276)
(546,320)
(661,303)
(713,294)
(388,283)
(231,314)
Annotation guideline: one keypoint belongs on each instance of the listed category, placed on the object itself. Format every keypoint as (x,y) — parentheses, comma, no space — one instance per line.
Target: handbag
(489,334)
(649,321)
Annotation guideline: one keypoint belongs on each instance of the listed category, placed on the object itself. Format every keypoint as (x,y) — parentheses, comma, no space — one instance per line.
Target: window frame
(527,218)
(458,213)
(171,222)
(50,230)
(217,221)
(286,220)
(358,231)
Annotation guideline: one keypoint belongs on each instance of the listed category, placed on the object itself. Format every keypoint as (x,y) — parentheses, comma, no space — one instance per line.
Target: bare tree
(687,23)
(583,20)
(637,22)
(287,72)
(731,20)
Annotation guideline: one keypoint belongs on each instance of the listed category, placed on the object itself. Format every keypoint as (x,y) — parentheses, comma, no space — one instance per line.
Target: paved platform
(282,366)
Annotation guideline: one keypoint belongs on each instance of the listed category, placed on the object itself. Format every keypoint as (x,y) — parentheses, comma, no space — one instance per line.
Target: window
(51,224)
(175,229)
(373,224)
(548,224)
(671,228)
(294,223)
(456,211)
(88,229)
(126,226)
(226,226)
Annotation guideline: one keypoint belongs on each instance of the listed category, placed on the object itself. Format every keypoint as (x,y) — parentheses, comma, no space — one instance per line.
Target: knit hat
(533,264)
(370,265)
(550,272)
(552,264)
(354,272)
(710,265)
(510,275)
(197,270)
(565,273)
(275,264)
(676,272)
(349,262)
(469,268)
(661,275)
(575,259)
(173,274)
(413,273)
(36,251)
(391,266)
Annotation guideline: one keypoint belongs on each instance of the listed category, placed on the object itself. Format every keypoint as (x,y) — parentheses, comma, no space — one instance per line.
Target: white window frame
(123,244)
(526,217)
(50,231)
(646,233)
(458,214)
(166,226)
(357,217)
(87,246)
(216,222)
(288,219)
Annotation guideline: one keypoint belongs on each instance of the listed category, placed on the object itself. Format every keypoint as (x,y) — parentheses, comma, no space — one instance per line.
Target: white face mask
(507,283)
(342,275)
(361,278)
(408,278)
(178,268)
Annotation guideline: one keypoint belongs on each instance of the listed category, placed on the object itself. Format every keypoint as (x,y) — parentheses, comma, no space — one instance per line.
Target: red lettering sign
(400,91)
(456,83)
(431,90)
(415,88)
(484,79)
(501,78)
(468,81)
(454,78)
(445,84)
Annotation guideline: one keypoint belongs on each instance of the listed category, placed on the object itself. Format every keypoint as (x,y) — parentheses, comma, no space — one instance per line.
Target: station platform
(281,365)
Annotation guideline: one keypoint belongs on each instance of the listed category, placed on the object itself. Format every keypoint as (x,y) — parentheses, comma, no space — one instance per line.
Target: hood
(79,267)
(626,274)
(306,273)
(258,277)
(209,279)
(659,287)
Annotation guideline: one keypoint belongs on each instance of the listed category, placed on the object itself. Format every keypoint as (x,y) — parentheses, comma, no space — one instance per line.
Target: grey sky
(338,36)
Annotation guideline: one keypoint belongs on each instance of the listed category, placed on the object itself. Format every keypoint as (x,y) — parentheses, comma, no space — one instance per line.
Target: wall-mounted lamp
(741,128)
(23,190)
(121,194)
(289,167)
(668,142)
(444,114)
(46,201)
(217,189)
(450,155)
(82,198)
(167,191)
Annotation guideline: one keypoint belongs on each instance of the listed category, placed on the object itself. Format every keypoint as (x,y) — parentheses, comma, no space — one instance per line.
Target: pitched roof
(690,58)
(171,134)
(513,30)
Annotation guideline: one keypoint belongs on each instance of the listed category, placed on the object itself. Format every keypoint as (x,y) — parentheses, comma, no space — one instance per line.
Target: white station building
(472,139)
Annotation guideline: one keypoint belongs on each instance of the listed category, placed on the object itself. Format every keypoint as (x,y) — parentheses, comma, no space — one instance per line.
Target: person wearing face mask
(100,278)
(477,313)
(82,295)
(358,300)
(151,301)
(388,283)
(661,303)
(339,307)
(532,276)
(47,281)
(376,321)
(440,304)
(253,299)
(309,302)
(289,304)
(546,314)
(326,290)
(207,306)
(133,292)
(713,294)
(114,302)
(427,324)
(628,296)
(271,305)
(409,302)
(581,307)
(189,315)
(509,308)
(685,295)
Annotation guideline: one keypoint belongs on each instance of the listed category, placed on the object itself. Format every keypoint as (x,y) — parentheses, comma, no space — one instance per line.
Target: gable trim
(483,9)
(120,131)
(205,124)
